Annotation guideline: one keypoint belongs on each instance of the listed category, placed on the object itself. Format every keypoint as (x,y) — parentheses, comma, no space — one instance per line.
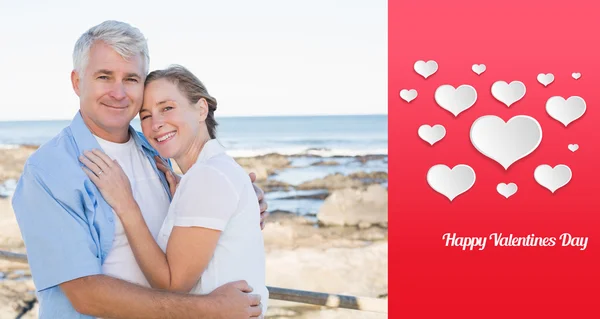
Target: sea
(305,139)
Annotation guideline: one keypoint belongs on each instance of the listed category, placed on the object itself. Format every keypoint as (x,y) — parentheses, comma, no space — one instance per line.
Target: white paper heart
(576,75)
(478,68)
(456,100)
(508,93)
(553,178)
(545,79)
(433,134)
(408,95)
(507,190)
(506,142)
(565,111)
(426,69)
(451,182)
(573,147)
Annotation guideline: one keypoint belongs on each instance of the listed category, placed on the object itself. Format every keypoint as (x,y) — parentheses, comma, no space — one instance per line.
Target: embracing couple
(110,230)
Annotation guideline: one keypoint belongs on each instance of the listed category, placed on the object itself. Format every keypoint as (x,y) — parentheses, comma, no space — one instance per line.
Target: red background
(516,40)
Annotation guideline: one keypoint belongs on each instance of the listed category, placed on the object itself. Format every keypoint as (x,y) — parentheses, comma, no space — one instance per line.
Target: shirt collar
(85,140)
(210,149)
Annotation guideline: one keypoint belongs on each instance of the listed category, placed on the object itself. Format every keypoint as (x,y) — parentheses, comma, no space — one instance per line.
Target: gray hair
(122,37)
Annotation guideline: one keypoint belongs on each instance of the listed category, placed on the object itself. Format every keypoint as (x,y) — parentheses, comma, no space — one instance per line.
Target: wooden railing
(275,293)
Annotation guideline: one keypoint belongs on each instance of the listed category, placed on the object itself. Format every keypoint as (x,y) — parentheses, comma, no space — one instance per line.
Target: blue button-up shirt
(66,224)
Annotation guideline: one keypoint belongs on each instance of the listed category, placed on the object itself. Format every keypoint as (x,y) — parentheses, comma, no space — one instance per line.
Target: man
(76,246)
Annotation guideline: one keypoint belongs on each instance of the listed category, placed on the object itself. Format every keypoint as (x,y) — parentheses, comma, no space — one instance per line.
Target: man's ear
(75,81)
(202,105)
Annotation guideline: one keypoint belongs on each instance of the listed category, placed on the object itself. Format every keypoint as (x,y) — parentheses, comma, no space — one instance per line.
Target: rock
(360,271)
(350,207)
(370,178)
(264,165)
(326,163)
(273,185)
(10,235)
(365,158)
(319,196)
(340,181)
(364,225)
(12,161)
(331,182)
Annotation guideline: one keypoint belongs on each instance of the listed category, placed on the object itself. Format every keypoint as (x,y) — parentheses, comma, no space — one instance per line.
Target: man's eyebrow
(103,71)
(144,110)
(133,75)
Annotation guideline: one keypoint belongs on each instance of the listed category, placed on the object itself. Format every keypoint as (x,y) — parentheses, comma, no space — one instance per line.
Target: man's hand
(172,178)
(261,201)
(233,301)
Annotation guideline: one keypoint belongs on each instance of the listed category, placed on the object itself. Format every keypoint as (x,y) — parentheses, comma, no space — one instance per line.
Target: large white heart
(433,134)
(451,182)
(565,111)
(545,79)
(576,75)
(456,100)
(408,95)
(506,142)
(553,178)
(426,69)
(508,93)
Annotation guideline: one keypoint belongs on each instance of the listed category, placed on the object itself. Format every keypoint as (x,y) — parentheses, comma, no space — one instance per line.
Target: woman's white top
(216,193)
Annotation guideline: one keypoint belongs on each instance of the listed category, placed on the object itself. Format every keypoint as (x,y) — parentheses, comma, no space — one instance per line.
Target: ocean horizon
(243,136)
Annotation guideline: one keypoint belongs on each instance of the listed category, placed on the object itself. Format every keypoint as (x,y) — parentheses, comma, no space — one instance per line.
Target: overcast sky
(258,58)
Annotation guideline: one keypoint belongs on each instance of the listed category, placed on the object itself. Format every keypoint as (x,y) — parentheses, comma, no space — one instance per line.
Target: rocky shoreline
(341,247)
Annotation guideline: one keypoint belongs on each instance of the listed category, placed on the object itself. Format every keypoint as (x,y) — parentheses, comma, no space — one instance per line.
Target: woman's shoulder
(218,167)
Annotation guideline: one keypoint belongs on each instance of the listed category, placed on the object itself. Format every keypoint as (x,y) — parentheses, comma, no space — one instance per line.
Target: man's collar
(85,139)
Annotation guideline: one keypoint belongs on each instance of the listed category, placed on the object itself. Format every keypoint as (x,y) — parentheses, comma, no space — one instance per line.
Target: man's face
(111,89)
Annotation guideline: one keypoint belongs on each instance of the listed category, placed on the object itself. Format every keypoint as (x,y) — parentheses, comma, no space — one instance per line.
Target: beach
(327,231)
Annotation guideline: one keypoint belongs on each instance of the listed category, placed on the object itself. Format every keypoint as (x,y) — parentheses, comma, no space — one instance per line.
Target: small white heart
(478,68)
(576,75)
(456,100)
(553,178)
(507,190)
(408,95)
(426,69)
(545,79)
(508,93)
(433,134)
(565,111)
(573,147)
(451,182)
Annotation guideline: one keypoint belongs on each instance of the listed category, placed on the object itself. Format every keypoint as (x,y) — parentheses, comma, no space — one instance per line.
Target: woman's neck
(190,156)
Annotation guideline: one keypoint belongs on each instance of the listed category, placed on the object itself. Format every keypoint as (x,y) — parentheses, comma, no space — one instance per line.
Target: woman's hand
(110,179)
(172,178)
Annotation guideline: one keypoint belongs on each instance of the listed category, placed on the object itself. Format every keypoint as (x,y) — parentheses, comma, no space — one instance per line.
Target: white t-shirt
(216,193)
(152,198)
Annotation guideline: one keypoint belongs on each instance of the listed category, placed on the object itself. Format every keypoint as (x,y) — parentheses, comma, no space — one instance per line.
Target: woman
(211,235)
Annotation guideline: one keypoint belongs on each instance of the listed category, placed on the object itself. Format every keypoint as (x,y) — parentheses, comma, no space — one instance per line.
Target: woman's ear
(202,105)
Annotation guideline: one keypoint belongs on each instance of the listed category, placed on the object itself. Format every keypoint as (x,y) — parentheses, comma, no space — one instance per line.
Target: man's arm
(62,253)
(107,297)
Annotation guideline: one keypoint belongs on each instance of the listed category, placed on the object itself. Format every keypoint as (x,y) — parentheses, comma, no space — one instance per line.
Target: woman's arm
(205,206)
(188,252)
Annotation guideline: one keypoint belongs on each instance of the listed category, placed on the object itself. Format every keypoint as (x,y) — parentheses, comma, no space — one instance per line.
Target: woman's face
(169,121)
